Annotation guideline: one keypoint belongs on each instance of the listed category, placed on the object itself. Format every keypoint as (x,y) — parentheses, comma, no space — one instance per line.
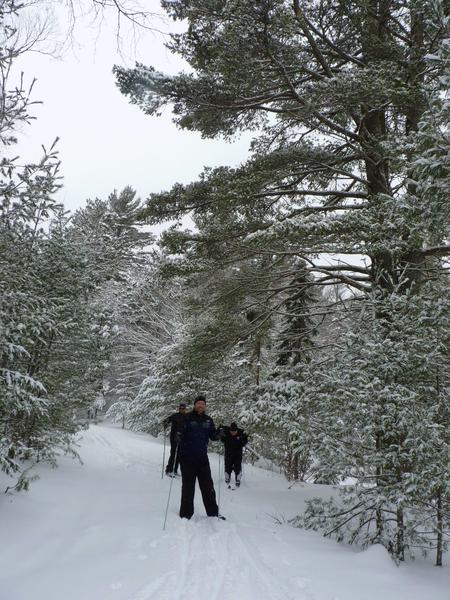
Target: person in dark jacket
(176,421)
(194,435)
(234,440)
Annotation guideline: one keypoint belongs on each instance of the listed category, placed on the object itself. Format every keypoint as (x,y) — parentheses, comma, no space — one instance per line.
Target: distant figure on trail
(234,440)
(176,421)
(193,436)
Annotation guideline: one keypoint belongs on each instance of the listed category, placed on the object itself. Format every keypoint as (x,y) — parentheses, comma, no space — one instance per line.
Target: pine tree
(147,319)
(342,179)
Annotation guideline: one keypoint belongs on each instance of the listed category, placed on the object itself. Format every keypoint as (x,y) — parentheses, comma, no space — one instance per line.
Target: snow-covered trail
(94,532)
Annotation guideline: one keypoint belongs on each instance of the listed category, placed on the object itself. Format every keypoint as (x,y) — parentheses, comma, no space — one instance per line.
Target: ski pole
(170,491)
(164,455)
(218,486)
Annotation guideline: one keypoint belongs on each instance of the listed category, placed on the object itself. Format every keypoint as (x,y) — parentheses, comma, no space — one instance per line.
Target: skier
(194,435)
(234,440)
(176,421)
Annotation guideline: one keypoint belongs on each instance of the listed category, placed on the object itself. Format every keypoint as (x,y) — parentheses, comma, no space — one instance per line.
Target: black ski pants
(191,470)
(233,462)
(174,460)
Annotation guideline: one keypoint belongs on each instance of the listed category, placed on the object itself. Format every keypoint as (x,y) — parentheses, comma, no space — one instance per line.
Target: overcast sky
(105,142)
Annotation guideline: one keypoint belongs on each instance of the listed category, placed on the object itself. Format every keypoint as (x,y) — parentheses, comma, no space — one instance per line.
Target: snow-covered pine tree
(381,423)
(113,246)
(108,232)
(276,410)
(26,200)
(336,92)
(431,175)
(147,319)
(55,335)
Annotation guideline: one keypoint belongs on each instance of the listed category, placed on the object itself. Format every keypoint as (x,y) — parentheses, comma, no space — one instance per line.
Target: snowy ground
(94,532)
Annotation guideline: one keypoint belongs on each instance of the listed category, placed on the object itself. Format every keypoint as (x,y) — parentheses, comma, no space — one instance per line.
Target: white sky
(105,142)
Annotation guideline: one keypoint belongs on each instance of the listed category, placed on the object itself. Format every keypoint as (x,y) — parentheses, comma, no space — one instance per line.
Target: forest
(305,292)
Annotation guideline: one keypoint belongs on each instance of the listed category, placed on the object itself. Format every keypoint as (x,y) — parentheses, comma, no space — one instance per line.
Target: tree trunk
(400,545)
(440,529)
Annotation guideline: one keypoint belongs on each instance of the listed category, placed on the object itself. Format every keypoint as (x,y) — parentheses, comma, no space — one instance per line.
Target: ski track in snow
(213,562)
(133,463)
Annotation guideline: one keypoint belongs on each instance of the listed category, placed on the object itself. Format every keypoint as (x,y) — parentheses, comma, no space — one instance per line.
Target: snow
(94,531)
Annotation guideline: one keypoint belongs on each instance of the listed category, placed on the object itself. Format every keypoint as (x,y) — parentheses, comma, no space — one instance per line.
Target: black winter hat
(200,398)
(233,426)
(182,405)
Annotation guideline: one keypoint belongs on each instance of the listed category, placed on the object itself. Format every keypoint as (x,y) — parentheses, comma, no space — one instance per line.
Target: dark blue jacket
(195,434)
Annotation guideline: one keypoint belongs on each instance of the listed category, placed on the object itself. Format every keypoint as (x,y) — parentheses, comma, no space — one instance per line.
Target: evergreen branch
(351,281)
(436,251)
(304,192)
(319,116)
(306,25)
(352,268)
